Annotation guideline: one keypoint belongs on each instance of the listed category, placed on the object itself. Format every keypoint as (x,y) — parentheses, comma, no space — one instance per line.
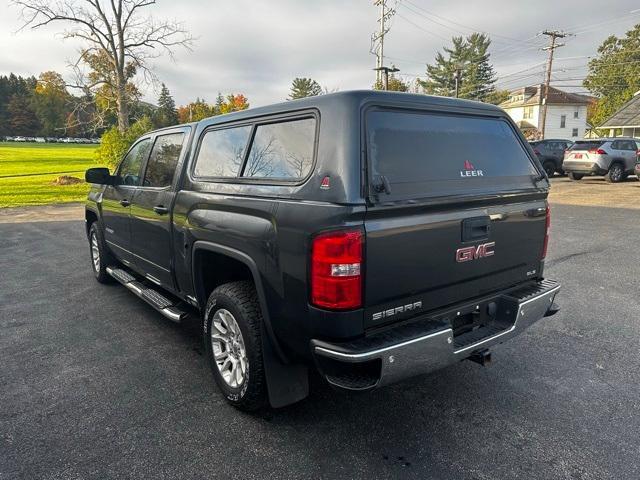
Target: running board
(154,298)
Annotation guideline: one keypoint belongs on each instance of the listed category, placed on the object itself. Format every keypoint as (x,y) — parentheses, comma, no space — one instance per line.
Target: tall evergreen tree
(166,114)
(304,87)
(468,59)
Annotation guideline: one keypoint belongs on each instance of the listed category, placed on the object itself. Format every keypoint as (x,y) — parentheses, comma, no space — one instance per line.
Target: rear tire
(575,176)
(549,167)
(615,174)
(233,343)
(101,258)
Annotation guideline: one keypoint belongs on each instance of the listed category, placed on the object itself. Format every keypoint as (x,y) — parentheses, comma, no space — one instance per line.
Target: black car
(550,152)
(372,236)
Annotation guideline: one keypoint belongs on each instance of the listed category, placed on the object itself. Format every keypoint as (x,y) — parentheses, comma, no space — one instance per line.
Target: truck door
(116,200)
(151,207)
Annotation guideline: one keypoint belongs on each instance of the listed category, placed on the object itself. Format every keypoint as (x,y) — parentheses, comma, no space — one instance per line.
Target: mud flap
(286,384)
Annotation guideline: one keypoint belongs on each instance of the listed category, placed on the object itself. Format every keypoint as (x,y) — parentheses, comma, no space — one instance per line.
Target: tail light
(547,228)
(336,270)
(598,151)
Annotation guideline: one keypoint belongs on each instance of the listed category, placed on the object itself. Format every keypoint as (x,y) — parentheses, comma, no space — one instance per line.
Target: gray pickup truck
(372,236)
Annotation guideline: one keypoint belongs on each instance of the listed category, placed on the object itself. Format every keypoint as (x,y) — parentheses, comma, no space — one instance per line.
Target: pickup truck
(371,236)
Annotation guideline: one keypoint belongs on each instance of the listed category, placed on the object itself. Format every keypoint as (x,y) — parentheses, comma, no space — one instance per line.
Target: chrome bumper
(371,363)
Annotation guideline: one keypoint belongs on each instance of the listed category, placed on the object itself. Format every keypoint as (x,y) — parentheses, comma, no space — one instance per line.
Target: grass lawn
(28,170)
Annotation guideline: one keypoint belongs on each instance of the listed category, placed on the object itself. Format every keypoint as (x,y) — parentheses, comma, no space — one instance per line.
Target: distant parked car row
(614,158)
(51,139)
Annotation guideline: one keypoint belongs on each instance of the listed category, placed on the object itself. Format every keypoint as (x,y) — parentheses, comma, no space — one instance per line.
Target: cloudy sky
(258,47)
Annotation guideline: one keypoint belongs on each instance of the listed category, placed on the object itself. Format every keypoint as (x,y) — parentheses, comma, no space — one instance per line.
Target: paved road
(95,384)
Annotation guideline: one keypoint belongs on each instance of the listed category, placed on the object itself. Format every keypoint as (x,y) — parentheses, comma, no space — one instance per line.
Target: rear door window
(163,161)
(430,154)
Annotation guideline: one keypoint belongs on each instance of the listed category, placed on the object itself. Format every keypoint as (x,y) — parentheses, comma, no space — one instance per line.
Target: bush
(113,144)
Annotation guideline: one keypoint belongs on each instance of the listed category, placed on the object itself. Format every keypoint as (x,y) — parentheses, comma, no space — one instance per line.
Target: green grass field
(28,170)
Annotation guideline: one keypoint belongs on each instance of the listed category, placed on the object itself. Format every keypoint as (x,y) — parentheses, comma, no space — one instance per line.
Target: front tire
(575,176)
(100,257)
(234,346)
(615,174)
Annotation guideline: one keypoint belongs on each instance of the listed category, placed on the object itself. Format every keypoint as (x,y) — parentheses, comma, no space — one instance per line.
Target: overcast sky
(258,47)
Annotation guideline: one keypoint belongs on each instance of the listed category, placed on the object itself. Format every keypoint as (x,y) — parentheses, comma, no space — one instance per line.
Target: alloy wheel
(228,348)
(95,252)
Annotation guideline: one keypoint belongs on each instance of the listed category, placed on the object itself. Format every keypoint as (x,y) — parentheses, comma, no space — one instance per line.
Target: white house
(566,112)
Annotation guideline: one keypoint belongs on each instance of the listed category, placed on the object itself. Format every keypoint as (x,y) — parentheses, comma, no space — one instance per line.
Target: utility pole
(553,35)
(385,75)
(456,77)
(377,39)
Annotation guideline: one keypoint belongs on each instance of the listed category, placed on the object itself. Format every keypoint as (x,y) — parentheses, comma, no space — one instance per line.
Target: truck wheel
(615,173)
(575,176)
(232,340)
(100,257)
(550,168)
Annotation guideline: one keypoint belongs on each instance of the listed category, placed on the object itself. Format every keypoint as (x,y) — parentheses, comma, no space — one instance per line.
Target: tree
(395,84)
(51,102)
(614,76)
(200,109)
(468,59)
(22,119)
(304,87)
(496,97)
(114,31)
(114,144)
(166,113)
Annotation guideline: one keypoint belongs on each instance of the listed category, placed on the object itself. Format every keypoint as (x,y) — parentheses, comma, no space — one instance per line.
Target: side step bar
(158,301)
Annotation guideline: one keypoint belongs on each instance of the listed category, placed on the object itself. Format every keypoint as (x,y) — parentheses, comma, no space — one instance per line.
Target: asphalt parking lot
(95,384)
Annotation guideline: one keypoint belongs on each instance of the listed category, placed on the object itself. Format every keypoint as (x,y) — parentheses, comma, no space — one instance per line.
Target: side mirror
(99,175)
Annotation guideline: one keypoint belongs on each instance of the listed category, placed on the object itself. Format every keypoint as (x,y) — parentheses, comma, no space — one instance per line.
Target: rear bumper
(429,345)
(584,168)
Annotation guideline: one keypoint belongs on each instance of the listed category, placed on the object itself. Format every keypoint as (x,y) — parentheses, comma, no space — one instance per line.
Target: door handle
(160,210)
(125,203)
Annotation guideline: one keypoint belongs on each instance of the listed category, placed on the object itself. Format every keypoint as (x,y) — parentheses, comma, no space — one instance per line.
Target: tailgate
(420,257)
(455,211)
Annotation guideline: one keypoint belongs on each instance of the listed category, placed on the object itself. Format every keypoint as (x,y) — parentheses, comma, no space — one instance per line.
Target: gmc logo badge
(467,254)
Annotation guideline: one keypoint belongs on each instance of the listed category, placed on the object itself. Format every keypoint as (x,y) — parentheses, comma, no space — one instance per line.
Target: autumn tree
(302,87)
(200,109)
(166,113)
(51,102)
(614,75)
(117,33)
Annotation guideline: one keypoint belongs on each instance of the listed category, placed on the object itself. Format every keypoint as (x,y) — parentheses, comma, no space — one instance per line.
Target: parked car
(39,140)
(550,152)
(614,158)
(365,234)
(19,139)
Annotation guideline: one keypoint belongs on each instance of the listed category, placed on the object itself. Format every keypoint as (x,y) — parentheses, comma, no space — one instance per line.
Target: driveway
(96,384)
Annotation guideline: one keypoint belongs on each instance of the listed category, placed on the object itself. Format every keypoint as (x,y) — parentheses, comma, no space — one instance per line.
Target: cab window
(129,170)
(163,161)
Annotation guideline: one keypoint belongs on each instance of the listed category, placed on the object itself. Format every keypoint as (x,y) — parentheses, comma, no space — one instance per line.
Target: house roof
(627,116)
(533,95)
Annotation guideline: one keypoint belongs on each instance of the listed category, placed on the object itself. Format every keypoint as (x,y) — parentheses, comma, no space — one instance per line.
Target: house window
(576,112)
(574,132)
(528,113)
(563,121)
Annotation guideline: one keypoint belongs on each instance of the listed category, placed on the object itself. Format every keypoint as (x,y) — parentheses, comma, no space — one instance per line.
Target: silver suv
(614,158)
